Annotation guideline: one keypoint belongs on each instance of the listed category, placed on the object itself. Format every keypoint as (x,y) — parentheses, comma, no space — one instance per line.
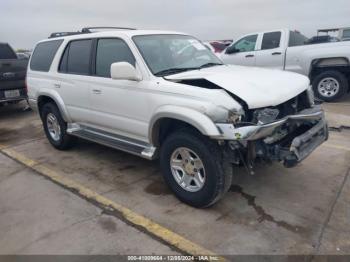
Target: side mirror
(231,50)
(124,71)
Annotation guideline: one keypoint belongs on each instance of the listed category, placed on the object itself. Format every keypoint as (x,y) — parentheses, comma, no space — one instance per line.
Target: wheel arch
(171,118)
(319,65)
(45,97)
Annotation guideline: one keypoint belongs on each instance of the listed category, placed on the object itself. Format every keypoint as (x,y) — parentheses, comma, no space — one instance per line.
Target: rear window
(296,39)
(43,55)
(6,52)
(76,58)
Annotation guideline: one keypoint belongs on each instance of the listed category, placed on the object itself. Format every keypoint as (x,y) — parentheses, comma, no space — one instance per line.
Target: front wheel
(330,85)
(193,168)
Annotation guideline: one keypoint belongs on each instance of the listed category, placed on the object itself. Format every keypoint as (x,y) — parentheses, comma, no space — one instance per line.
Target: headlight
(234,117)
(311,96)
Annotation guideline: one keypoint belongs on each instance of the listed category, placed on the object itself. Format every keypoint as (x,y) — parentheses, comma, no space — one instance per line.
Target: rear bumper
(296,148)
(22,96)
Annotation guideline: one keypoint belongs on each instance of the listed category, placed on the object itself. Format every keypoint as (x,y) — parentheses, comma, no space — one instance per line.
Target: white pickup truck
(327,64)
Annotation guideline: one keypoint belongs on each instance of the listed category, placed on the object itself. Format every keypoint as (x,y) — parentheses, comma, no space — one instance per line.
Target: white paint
(256,86)
(130,108)
(297,59)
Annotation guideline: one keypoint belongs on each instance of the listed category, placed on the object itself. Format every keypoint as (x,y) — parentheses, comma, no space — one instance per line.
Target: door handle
(249,56)
(276,53)
(96,91)
(57,85)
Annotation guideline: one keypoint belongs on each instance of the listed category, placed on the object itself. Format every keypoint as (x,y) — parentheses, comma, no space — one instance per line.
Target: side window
(296,39)
(76,58)
(346,33)
(245,44)
(110,51)
(271,40)
(43,55)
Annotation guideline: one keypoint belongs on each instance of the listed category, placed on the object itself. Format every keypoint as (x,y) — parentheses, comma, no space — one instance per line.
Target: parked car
(326,64)
(209,46)
(12,75)
(321,39)
(217,46)
(22,56)
(343,33)
(133,90)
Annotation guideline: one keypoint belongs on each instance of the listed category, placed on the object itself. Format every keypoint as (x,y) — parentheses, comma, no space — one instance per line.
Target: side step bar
(128,145)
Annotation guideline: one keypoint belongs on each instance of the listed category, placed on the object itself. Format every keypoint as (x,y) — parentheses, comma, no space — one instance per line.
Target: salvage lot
(304,210)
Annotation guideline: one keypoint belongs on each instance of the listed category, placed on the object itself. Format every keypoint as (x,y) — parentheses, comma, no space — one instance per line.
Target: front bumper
(299,145)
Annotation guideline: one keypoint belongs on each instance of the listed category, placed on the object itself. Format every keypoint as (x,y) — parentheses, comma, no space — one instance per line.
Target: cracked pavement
(304,210)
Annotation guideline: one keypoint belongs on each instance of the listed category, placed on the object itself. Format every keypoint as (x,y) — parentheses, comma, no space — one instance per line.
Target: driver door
(242,52)
(117,106)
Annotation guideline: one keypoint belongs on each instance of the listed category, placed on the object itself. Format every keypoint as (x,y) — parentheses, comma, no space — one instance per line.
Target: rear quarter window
(296,39)
(43,55)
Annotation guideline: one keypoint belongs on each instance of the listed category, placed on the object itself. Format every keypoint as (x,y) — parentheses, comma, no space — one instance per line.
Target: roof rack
(59,34)
(87,30)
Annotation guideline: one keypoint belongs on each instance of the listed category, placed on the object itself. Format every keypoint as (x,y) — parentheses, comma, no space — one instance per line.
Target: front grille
(290,107)
(294,105)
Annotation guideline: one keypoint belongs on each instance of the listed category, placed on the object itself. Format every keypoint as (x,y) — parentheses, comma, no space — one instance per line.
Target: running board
(128,145)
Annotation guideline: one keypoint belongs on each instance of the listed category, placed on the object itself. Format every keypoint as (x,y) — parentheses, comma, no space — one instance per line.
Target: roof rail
(59,34)
(87,30)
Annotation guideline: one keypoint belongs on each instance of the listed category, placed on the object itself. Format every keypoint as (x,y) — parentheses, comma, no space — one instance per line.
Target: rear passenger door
(270,51)
(74,86)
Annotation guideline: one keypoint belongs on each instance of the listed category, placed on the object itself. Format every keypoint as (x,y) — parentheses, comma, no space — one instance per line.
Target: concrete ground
(304,210)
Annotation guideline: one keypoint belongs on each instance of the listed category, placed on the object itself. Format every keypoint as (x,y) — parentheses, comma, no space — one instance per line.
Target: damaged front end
(277,134)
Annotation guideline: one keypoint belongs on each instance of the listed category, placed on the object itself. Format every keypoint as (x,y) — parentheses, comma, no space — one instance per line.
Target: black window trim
(67,47)
(94,46)
(59,46)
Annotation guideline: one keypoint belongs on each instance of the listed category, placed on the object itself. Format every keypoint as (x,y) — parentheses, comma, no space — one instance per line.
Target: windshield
(170,54)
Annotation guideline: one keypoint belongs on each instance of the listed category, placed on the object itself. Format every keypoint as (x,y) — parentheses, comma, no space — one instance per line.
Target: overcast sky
(24,22)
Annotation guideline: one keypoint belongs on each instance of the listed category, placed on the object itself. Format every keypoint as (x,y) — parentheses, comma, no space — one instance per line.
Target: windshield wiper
(176,70)
(171,71)
(209,65)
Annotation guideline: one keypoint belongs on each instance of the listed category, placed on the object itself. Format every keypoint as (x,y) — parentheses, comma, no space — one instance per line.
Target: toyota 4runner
(164,95)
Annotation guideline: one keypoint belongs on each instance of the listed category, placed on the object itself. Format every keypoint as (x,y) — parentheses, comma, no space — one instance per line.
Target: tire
(217,178)
(335,77)
(62,141)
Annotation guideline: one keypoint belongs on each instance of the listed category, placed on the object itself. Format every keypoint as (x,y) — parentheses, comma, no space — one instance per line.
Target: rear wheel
(192,166)
(330,85)
(55,127)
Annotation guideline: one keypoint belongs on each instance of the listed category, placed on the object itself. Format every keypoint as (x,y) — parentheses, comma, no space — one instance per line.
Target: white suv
(164,94)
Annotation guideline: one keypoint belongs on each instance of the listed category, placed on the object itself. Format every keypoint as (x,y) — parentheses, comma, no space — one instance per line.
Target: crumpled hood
(258,87)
